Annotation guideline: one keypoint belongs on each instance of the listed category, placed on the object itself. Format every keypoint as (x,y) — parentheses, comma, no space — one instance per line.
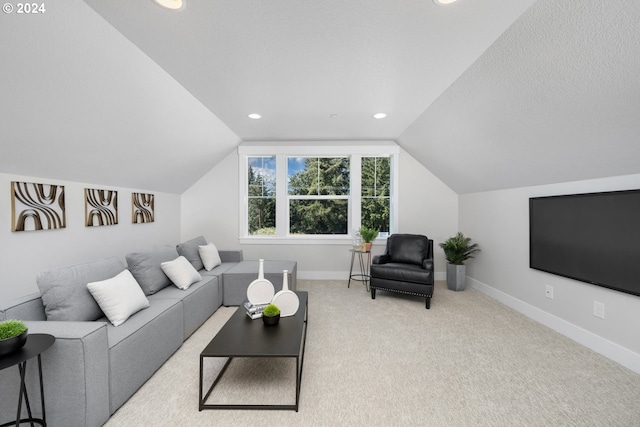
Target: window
(316,194)
(261,192)
(376,192)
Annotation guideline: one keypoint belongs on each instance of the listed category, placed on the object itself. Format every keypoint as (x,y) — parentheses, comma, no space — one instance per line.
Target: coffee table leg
(215,381)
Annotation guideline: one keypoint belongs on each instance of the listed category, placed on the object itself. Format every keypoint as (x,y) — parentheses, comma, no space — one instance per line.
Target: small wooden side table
(364,259)
(36,344)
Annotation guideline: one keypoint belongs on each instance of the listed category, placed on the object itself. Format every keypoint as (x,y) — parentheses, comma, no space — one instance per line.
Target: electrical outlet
(598,309)
(548,291)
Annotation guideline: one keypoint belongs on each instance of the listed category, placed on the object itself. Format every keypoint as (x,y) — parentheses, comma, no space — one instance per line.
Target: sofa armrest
(231,256)
(28,307)
(75,373)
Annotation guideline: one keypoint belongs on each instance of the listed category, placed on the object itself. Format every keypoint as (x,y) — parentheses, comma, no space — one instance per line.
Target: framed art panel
(37,206)
(142,208)
(100,207)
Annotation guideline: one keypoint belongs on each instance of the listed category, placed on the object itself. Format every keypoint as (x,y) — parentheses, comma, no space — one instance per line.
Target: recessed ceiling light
(254,116)
(379,115)
(171,4)
(441,2)
(333,116)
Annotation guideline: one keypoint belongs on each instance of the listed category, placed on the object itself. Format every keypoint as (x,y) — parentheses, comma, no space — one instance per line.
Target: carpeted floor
(468,361)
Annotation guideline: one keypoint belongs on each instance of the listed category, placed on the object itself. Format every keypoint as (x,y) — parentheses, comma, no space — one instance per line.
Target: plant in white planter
(457,250)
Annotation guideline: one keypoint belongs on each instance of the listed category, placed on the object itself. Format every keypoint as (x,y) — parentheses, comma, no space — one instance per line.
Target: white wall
(24,254)
(210,208)
(499,222)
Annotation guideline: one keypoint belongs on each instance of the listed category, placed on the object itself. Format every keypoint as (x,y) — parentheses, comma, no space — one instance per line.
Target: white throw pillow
(210,256)
(119,297)
(181,272)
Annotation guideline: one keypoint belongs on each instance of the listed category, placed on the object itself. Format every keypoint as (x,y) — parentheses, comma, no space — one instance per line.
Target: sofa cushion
(200,301)
(145,267)
(140,346)
(210,256)
(181,272)
(64,290)
(401,272)
(189,250)
(119,297)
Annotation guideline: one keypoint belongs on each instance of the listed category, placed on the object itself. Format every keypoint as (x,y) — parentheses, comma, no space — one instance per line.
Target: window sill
(306,240)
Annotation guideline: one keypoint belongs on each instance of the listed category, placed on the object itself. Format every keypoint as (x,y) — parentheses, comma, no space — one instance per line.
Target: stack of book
(254,311)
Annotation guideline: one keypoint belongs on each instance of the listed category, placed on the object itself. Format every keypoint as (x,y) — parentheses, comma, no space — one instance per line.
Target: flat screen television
(594,238)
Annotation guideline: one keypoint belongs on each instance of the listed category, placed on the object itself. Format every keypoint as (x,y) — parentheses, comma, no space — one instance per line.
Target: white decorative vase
(287,301)
(456,277)
(261,290)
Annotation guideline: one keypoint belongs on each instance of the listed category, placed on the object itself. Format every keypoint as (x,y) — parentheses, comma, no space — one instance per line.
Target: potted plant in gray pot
(457,250)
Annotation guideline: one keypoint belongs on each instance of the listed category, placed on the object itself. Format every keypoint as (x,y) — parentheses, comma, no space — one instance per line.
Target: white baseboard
(608,349)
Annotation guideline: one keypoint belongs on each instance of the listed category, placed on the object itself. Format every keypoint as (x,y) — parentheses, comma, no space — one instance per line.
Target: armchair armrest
(427,264)
(380,259)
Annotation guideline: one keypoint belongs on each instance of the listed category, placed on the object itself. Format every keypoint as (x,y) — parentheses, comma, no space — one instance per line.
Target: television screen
(594,238)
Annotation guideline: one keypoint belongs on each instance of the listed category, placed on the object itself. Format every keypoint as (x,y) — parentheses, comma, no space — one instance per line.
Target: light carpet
(468,361)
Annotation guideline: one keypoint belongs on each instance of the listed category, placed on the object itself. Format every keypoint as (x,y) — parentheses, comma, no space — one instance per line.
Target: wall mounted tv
(594,238)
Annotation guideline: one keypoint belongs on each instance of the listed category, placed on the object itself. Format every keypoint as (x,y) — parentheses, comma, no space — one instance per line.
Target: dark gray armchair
(405,267)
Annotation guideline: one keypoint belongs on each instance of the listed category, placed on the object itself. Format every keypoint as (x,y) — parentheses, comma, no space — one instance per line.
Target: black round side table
(364,259)
(36,344)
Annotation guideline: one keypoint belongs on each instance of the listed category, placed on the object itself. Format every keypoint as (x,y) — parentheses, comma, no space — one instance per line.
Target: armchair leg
(373,293)
(428,303)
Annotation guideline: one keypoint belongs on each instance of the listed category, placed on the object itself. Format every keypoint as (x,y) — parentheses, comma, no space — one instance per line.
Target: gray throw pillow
(64,290)
(189,250)
(145,267)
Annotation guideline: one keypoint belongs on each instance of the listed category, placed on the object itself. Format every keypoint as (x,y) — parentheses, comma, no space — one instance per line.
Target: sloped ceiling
(81,103)
(555,99)
(486,94)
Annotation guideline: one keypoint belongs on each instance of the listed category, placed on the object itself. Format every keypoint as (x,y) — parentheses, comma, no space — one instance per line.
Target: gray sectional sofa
(94,367)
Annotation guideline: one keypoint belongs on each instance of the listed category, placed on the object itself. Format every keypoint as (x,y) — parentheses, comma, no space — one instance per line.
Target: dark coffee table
(287,339)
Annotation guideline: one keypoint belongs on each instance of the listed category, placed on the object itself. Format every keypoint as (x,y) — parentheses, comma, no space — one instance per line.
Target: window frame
(354,150)
(316,197)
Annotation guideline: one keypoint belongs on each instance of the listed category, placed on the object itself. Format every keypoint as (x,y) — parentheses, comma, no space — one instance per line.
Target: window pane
(318,216)
(262,216)
(375,213)
(375,176)
(376,185)
(318,176)
(262,195)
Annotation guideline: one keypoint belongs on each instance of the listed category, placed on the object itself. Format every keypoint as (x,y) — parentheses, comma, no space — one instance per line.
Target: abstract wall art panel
(37,206)
(142,210)
(100,207)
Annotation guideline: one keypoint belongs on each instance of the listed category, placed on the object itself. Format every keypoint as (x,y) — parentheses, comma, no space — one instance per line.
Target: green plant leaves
(458,249)
(11,328)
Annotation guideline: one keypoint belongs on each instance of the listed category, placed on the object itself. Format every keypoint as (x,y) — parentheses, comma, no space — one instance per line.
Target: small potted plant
(271,315)
(13,336)
(368,235)
(457,250)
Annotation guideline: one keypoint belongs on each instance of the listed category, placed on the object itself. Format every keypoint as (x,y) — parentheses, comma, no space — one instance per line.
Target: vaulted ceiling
(486,94)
